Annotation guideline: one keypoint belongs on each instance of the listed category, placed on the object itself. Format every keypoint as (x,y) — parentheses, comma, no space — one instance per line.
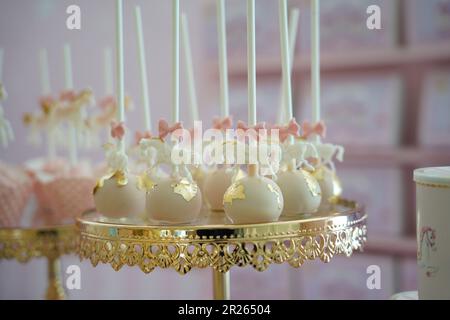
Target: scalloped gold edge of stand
(221,247)
(23,244)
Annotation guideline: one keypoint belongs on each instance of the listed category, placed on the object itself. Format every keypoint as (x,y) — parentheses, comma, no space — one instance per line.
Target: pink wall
(26,26)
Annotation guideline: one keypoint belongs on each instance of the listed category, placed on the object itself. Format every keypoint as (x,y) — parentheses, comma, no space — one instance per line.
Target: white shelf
(393,246)
(345,60)
(398,155)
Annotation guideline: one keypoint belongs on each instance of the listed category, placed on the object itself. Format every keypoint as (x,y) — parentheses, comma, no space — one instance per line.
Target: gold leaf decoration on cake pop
(234,192)
(318,173)
(185,188)
(120,176)
(145,183)
(240,174)
(337,190)
(313,186)
(276,193)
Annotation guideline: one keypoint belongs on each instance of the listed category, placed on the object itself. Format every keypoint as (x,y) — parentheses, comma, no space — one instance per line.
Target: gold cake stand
(24,244)
(215,242)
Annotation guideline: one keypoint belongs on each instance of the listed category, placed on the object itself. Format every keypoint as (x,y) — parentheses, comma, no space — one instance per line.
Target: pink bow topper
(241,125)
(291,129)
(222,124)
(318,128)
(139,135)
(165,129)
(117,129)
(68,95)
(107,102)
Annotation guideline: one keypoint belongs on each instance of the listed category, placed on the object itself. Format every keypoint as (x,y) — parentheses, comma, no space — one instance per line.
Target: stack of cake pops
(296,177)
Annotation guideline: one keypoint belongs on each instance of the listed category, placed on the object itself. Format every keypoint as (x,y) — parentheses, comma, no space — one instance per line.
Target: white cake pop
(177,198)
(329,184)
(218,180)
(174,200)
(301,192)
(217,183)
(253,199)
(119,194)
(325,172)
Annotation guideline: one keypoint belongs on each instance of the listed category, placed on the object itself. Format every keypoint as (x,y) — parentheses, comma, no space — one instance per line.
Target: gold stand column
(55,291)
(221,285)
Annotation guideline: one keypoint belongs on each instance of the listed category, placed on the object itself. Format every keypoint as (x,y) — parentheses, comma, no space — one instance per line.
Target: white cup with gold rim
(433,231)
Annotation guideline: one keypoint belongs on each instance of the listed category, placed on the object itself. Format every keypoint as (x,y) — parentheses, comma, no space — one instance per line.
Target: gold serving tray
(215,242)
(23,244)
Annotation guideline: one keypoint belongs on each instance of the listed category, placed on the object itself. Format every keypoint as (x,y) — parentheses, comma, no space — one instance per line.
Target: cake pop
(219,179)
(301,192)
(119,194)
(177,198)
(253,199)
(325,172)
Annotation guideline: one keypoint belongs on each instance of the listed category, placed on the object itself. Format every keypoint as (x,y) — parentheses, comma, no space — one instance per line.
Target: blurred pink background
(385,96)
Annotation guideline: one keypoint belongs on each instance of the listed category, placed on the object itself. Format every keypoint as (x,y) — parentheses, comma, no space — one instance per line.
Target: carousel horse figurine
(46,120)
(108,108)
(73,109)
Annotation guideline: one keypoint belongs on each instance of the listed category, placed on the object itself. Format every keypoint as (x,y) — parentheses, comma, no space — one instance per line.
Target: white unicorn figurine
(326,151)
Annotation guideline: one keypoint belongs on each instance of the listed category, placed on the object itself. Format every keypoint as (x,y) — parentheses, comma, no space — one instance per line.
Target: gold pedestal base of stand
(24,244)
(216,243)
(221,285)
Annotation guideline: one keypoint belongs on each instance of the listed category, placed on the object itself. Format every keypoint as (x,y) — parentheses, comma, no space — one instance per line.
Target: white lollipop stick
(223,64)
(143,67)
(251,63)
(175,61)
(193,102)
(44,71)
(120,70)
(108,69)
(285,59)
(293,28)
(68,78)
(315,62)
(2,53)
